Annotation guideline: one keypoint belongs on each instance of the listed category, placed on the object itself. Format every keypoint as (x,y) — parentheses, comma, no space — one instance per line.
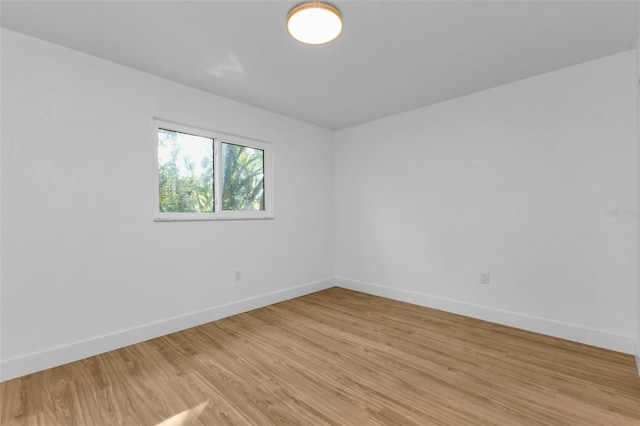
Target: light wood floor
(336,357)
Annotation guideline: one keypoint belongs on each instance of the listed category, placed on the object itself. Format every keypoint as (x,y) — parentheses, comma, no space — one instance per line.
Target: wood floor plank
(336,357)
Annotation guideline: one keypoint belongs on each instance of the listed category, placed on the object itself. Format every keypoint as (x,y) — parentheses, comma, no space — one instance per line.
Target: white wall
(85,267)
(517,181)
(638,187)
(1,375)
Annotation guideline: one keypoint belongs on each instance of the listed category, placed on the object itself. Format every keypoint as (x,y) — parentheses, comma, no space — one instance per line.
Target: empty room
(319,213)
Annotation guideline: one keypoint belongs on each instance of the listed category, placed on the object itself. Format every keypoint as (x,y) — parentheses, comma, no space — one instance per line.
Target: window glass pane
(242,178)
(185,172)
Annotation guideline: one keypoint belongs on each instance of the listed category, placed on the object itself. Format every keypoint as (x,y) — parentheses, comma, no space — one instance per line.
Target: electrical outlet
(485,278)
(238,276)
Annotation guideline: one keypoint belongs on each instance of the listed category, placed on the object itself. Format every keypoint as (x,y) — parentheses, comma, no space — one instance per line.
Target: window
(204,175)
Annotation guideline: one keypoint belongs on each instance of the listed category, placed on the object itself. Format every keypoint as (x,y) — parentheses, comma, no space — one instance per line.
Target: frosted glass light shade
(314,23)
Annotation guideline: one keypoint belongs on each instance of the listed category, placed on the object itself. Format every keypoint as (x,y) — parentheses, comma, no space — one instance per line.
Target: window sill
(209,219)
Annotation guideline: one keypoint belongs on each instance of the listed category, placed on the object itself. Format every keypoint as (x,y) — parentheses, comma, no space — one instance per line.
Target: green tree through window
(186,174)
(243,181)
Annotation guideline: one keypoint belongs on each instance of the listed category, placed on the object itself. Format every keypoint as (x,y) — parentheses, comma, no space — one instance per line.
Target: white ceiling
(392,56)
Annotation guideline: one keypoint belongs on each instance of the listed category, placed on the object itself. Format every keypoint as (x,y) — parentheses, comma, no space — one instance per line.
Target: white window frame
(218,138)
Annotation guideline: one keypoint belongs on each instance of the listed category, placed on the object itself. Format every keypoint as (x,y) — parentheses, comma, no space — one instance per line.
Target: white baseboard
(37,361)
(576,333)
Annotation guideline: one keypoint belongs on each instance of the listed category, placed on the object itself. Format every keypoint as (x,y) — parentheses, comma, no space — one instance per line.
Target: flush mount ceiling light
(314,23)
